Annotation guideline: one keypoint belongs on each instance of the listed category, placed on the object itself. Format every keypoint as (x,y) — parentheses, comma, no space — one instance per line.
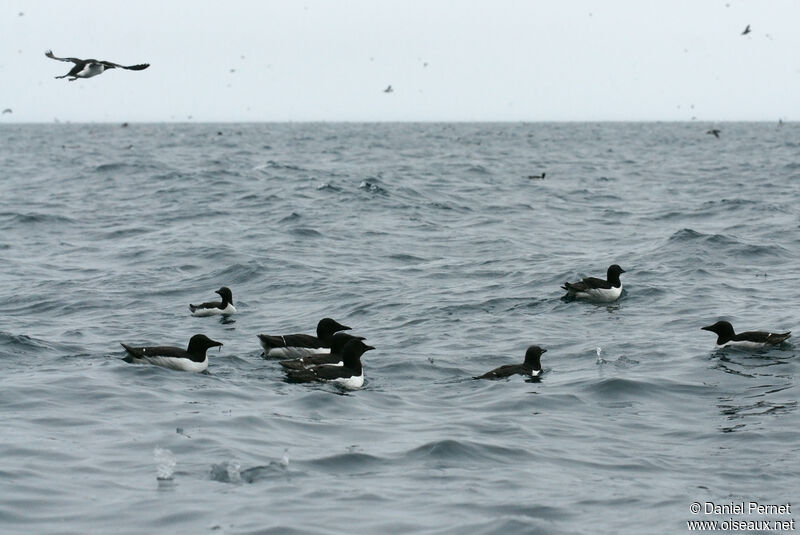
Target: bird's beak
(621,270)
(217,292)
(367,348)
(544,350)
(344,328)
(706,328)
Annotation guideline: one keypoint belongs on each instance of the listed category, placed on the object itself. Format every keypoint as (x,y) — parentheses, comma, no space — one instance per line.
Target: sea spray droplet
(234,470)
(600,360)
(165,464)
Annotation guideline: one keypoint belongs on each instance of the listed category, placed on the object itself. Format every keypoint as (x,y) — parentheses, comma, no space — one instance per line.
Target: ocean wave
(35,218)
(373,186)
(455,452)
(710,244)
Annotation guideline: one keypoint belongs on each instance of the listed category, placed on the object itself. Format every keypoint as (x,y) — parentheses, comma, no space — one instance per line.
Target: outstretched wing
(50,55)
(139,67)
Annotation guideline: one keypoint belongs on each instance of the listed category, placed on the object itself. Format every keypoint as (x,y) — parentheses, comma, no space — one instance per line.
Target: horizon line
(459,121)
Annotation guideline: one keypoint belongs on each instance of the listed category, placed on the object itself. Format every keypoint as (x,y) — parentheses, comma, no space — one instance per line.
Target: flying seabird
(388,89)
(86,68)
(746,30)
(714,131)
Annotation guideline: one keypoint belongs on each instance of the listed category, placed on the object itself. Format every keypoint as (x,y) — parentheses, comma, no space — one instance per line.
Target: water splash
(285,459)
(227,472)
(165,464)
(600,360)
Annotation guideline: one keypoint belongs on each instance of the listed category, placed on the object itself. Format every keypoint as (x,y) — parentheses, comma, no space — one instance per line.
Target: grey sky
(330,60)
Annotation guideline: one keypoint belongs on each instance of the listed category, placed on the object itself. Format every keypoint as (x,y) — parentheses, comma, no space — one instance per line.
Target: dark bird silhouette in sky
(86,68)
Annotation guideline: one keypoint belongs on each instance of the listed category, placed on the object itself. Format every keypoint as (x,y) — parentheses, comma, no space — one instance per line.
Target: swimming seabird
(191,359)
(595,289)
(726,337)
(86,68)
(531,367)
(301,345)
(338,341)
(349,375)
(746,30)
(539,177)
(212,308)
(714,131)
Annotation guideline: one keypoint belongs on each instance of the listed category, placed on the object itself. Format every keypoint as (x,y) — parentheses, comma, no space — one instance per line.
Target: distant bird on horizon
(86,68)
(7,110)
(714,131)
(537,177)
(746,30)
(388,89)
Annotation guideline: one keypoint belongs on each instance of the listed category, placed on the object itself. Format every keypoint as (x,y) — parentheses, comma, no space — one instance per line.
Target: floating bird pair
(330,356)
(193,358)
